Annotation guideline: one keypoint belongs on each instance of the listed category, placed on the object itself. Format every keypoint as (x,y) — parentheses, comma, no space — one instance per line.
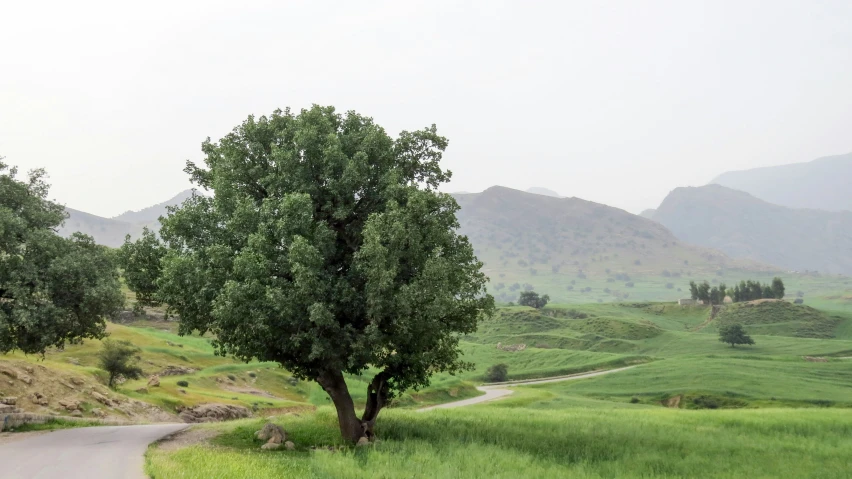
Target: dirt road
(498,391)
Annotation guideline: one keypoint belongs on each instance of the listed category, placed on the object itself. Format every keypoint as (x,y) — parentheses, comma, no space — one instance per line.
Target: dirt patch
(673,402)
(7,437)
(188,437)
(248,390)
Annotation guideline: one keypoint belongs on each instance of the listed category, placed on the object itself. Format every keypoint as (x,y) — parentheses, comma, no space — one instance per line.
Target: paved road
(498,391)
(109,452)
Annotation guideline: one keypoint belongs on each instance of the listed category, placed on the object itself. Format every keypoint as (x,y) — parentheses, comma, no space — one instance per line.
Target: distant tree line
(751,290)
(747,290)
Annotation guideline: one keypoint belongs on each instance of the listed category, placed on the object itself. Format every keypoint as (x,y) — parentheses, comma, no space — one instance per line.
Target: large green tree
(53,290)
(141,261)
(327,248)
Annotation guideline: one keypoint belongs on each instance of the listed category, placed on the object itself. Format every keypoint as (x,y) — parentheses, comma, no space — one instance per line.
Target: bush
(183,383)
(252,374)
(117,358)
(798,301)
(497,373)
(232,377)
(629,284)
(634,400)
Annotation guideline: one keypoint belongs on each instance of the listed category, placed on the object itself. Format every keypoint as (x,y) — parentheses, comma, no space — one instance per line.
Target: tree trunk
(334,384)
(377,393)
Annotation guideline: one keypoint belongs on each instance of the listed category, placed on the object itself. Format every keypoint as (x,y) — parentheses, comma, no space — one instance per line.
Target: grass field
(492,441)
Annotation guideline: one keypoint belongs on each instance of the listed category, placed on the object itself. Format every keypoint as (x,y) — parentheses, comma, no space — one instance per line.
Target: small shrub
(183,383)
(497,373)
(252,374)
(798,301)
(232,377)
(634,400)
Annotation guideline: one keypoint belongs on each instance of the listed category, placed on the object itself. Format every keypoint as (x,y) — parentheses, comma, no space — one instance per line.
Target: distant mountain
(820,184)
(537,190)
(743,226)
(111,231)
(556,242)
(649,213)
(153,213)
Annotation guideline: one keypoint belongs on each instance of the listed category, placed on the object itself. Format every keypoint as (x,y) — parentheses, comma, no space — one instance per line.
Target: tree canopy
(532,299)
(734,334)
(327,248)
(53,290)
(117,358)
(141,261)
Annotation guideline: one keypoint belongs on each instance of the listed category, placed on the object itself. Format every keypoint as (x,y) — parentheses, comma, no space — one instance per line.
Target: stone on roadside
(77,381)
(76,413)
(154,381)
(363,442)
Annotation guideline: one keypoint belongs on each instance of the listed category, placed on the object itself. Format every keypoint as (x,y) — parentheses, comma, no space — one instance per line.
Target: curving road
(109,452)
(497,391)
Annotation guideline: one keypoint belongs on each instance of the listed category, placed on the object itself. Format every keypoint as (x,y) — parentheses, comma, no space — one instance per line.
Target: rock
(103,399)
(24,378)
(67,385)
(29,369)
(182,391)
(70,404)
(10,401)
(98,412)
(270,446)
(142,390)
(39,399)
(177,371)
(9,372)
(76,414)
(290,446)
(7,409)
(154,381)
(77,381)
(271,433)
(213,413)
(363,442)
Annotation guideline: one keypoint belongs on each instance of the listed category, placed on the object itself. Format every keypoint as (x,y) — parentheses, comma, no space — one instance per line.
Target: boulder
(213,413)
(363,442)
(270,446)
(77,381)
(290,446)
(70,404)
(154,381)
(29,369)
(98,412)
(9,372)
(103,399)
(24,378)
(272,433)
(9,401)
(76,414)
(39,399)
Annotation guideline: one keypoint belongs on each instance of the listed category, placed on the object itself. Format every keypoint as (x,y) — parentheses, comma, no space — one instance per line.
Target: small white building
(687,302)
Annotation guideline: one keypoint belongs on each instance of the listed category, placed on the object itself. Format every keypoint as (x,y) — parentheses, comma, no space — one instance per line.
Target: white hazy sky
(615,101)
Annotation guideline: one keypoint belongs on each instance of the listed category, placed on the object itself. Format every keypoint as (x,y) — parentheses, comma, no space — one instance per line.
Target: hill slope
(820,184)
(111,231)
(746,227)
(529,238)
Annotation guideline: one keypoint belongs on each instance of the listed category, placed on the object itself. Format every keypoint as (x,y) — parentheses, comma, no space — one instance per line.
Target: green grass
(783,319)
(489,441)
(56,424)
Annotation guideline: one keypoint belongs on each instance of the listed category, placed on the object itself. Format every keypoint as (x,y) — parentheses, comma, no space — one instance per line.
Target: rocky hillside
(743,226)
(820,184)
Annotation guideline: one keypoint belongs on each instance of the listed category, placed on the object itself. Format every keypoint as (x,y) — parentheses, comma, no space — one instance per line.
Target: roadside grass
(56,424)
(489,441)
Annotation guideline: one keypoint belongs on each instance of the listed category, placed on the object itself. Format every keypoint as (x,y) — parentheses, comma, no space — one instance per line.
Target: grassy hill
(745,227)
(819,184)
(690,406)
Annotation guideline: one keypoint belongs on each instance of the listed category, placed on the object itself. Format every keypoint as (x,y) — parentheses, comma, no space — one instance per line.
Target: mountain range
(821,184)
(744,226)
